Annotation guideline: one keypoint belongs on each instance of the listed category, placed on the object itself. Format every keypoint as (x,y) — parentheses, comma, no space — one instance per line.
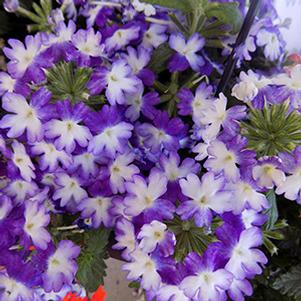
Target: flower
(36,219)
(245,259)
(125,237)
(7,83)
(204,196)
(118,81)
(61,266)
(121,38)
(22,161)
(268,173)
(67,131)
(207,283)
(26,117)
(153,235)
(96,208)
(144,196)
(142,265)
(112,133)
(121,170)
(186,52)
(171,292)
(154,36)
(22,56)
(11,6)
(69,190)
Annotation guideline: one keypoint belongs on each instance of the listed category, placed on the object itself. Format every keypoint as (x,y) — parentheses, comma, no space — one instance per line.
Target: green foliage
(272,212)
(273,129)
(191,238)
(290,282)
(160,57)
(91,264)
(226,13)
(65,81)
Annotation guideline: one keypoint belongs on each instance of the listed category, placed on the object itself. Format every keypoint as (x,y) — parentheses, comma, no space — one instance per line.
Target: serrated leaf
(191,238)
(290,282)
(91,262)
(228,13)
(272,212)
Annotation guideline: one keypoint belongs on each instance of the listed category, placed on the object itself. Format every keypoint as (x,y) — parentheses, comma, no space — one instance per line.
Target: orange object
(73,297)
(99,295)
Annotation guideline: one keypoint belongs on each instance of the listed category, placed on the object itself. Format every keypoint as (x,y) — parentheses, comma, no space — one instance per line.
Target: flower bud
(11,6)
(245,91)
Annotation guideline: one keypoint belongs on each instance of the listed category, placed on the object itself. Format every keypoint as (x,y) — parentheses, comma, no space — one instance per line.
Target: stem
(106,3)
(67,228)
(157,21)
(160,87)
(28,14)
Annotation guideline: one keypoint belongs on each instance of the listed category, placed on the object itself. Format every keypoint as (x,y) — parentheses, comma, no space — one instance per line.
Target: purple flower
(19,189)
(36,219)
(118,82)
(138,60)
(268,172)
(245,259)
(11,6)
(97,208)
(203,196)
(144,196)
(61,266)
(122,37)
(207,283)
(121,170)
(186,52)
(197,104)
(125,237)
(22,56)
(7,83)
(69,191)
(154,36)
(139,103)
(50,157)
(164,134)
(68,130)
(239,289)
(156,234)
(26,117)
(112,133)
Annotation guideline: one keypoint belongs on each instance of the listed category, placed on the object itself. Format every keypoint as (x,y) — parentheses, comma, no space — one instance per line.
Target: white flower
(22,161)
(146,8)
(121,170)
(14,290)
(291,187)
(245,258)
(151,235)
(97,208)
(24,118)
(125,237)
(36,219)
(50,156)
(171,292)
(243,194)
(142,265)
(207,285)
(270,42)
(85,161)
(122,37)
(291,80)
(267,175)
(67,133)
(154,36)
(20,189)
(70,190)
(222,159)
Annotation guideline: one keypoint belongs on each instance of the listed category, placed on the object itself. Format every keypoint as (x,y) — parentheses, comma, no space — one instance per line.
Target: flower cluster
(95,134)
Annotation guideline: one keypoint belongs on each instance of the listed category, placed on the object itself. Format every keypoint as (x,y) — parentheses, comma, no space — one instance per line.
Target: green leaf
(290,282)
(91,264)
(160,57)
(185,6)
(227,13)
(66,81)
(191,238)
(272,212)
